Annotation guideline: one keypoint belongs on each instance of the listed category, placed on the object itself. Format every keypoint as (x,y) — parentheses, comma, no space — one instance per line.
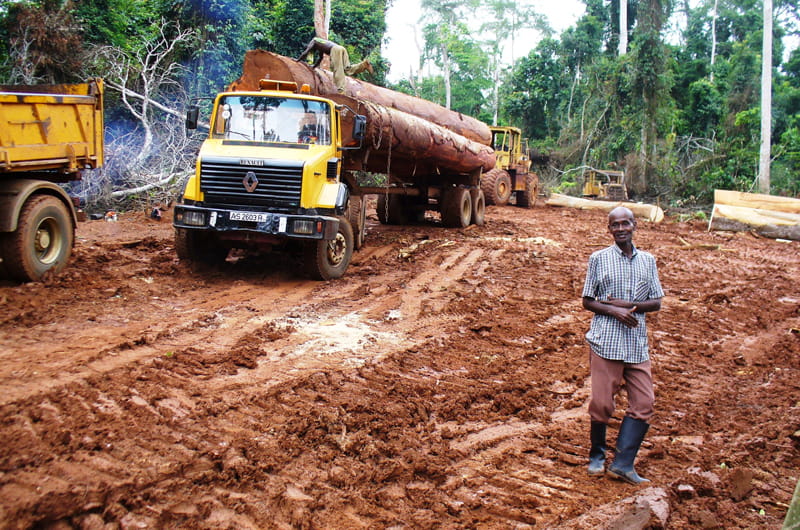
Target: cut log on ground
(766,215)
(260,64)
(649,212)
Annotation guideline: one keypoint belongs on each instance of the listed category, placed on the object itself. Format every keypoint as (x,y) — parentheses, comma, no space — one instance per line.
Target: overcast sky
(404,15)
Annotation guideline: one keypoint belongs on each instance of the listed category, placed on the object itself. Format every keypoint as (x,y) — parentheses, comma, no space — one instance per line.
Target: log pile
(766,215)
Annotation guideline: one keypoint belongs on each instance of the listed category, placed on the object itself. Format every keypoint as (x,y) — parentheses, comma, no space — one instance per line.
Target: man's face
(621,224)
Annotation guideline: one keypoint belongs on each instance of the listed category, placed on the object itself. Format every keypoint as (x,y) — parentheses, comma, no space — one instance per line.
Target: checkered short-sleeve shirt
(612,274)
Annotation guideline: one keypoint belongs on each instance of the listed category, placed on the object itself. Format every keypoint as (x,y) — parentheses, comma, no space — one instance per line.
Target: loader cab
(510,148)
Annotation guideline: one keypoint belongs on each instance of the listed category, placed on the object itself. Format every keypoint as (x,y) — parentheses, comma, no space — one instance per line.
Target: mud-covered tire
(496,186)
(478,206)
(42,242)
(357,215)
(199,247)
(456,208)
(394,210)
(527,197)
(328,260)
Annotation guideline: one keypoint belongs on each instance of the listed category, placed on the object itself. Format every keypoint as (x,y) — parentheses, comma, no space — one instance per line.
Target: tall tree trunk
(321,26)
(623,27)
(713,39)
(766,101)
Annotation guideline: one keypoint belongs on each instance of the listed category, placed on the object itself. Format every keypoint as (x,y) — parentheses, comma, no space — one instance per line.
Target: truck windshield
(272,119)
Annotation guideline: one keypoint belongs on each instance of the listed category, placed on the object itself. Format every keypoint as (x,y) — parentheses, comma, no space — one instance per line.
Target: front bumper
(274,224)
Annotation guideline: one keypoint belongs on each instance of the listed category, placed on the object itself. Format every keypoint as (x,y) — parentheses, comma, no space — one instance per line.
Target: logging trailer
(48,135)
(278,169)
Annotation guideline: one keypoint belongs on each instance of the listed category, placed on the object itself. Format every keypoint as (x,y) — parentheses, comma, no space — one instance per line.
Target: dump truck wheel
(496,186)
(527,197)
(327,260)
(199,247)
(357,215)
(478,206)
(393,211)
(456,208)
(42,242)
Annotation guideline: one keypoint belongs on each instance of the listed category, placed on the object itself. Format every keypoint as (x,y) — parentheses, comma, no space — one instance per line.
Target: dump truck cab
(269,174)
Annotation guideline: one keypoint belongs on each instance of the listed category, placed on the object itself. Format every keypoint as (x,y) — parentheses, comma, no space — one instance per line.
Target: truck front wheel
(198,246)
(327,260)
(42,242)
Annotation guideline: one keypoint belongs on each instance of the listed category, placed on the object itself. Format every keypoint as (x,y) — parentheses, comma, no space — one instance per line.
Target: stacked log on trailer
(409,138)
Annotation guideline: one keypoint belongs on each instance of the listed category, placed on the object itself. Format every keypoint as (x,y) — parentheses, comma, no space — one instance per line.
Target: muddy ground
(442,383)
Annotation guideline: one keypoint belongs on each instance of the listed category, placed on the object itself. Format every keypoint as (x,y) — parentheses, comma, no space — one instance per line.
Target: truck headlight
(194,218)
(303,226)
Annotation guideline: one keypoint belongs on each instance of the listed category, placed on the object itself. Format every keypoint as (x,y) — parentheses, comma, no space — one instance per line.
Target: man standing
(621,286)
(340,60)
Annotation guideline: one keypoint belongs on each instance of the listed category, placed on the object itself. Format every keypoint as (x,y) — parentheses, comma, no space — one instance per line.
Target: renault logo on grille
(250,182)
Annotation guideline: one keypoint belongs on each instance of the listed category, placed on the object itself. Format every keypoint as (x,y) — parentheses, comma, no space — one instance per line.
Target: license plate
(250,217)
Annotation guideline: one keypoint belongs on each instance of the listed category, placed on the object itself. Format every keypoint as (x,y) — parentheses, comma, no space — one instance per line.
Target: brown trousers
(607,379)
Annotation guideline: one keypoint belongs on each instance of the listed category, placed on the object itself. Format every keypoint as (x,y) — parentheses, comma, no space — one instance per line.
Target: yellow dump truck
(48,135)
(512,173)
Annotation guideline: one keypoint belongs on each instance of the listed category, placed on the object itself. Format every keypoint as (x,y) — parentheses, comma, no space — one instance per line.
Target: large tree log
(260,64)
(767,215)
(649,212)
(407,146)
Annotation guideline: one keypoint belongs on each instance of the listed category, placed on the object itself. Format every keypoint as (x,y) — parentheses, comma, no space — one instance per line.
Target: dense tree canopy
(680,111)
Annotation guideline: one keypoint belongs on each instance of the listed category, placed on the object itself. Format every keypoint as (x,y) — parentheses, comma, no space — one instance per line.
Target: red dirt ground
(442,383)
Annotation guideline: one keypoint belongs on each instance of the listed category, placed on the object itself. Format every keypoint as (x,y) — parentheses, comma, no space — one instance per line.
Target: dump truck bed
(55,128)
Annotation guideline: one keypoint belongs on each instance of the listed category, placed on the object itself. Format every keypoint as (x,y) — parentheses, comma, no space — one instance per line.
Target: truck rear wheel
(199,246)
(357,215)
(527,197)
(478,206)
(496,186)
(327,260)
(42,242)
(456,208)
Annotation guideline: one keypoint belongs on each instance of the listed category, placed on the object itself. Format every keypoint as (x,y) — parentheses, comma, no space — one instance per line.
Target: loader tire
(527,197)
(496,186)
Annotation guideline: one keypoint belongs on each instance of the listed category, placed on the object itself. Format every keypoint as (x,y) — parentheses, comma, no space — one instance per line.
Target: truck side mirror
(360,127)
(192,114)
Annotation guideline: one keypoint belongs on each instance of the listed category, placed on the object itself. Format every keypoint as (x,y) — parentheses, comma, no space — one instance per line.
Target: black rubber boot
(630,437)
(597,454)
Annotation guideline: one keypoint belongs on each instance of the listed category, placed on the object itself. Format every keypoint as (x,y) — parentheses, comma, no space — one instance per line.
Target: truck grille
(276,183)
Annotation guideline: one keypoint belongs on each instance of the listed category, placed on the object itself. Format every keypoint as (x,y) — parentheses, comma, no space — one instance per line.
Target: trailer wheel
(456,208)
(42,242)
(393,210)
(496,186)
(327,260)
(199,247)
(527,197)
(357,215)
(478,206)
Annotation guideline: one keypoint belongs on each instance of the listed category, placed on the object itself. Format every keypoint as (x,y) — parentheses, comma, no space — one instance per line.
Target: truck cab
(267,175)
